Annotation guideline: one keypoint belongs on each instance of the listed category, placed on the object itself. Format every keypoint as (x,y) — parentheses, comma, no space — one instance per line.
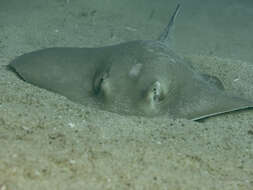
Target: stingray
(142,77)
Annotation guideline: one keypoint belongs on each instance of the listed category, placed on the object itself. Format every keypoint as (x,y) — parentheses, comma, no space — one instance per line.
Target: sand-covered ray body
(138,78)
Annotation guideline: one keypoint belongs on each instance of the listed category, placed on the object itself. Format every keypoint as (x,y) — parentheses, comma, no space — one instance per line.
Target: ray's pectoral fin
(212,104)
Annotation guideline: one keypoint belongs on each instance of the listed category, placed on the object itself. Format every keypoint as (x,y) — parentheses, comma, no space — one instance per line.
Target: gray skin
(144,78)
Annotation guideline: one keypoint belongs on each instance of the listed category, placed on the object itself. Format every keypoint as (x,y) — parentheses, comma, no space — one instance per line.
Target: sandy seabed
(49,142)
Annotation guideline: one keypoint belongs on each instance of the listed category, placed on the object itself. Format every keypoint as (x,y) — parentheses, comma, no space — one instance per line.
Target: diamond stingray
(138,78)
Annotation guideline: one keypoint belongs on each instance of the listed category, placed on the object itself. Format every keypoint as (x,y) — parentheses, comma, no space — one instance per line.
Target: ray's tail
(166,36)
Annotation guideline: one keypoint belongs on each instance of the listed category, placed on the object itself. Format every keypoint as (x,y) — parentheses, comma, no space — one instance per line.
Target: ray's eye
(99,82)
(155,93)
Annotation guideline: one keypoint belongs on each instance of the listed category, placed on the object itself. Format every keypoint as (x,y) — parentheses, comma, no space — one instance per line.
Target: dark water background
(221,28)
